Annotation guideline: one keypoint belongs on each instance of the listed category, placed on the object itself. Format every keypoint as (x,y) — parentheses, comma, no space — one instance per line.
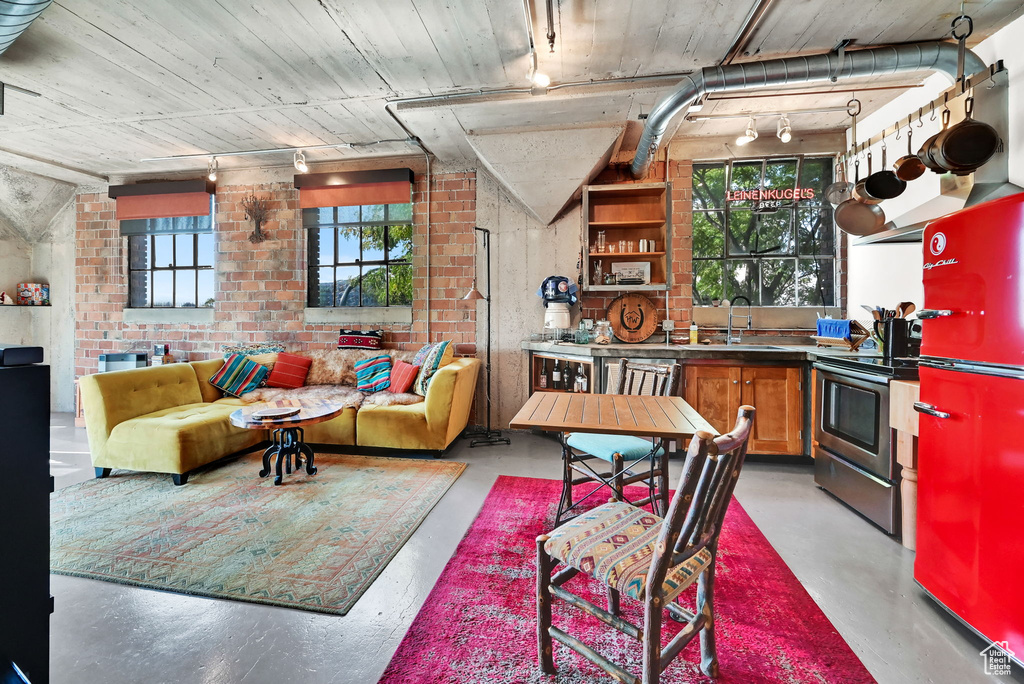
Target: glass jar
(602,242)
(603,332)
(582,335)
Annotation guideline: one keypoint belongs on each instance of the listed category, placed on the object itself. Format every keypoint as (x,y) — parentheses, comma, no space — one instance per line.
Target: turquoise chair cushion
(603,446)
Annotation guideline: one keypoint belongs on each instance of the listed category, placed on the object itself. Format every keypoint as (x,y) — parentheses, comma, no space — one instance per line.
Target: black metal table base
(288,443)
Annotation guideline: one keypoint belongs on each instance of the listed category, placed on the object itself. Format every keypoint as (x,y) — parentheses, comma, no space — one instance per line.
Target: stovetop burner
(900,369)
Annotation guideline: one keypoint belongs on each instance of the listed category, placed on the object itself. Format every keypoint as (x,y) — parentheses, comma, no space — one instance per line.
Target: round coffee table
(286,432)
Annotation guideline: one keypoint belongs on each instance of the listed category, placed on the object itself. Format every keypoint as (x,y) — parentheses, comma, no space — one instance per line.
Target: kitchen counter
(735,352)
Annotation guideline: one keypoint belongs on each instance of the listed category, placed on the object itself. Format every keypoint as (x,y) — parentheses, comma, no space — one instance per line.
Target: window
(762,229)
(360,255)
(170,270)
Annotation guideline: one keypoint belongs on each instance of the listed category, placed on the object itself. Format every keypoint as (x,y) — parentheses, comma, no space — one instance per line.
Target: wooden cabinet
(717,391)
(547,361)
(628,213)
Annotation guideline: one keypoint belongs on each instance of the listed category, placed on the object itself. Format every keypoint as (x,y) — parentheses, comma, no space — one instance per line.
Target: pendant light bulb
(300,162)
(211,170)
(541,80)
(750,135)
(784,131)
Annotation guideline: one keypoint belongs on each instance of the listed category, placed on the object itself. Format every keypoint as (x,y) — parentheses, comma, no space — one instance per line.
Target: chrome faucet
(729,339)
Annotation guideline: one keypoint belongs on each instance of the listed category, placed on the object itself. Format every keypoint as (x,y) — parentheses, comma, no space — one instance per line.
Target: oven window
(851,413)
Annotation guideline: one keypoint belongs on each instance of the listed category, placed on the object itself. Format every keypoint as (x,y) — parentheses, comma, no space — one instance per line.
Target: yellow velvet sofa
(170,419)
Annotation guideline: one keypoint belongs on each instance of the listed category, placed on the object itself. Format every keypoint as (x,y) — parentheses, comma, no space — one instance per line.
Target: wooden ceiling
(122,80)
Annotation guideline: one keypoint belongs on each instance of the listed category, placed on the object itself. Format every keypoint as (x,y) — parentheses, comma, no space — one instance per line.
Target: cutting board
(633,317)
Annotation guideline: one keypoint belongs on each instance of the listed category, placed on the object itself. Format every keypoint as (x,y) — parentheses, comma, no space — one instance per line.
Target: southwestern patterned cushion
(429,359)
(239,375)
(359,339)
(373,375)
(614,544)
(289,371)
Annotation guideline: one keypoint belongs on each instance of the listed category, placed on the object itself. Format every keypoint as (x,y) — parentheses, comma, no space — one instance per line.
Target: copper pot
(909,167)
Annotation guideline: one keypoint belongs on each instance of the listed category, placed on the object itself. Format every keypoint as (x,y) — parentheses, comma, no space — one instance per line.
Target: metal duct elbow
(16,16)
(930,56)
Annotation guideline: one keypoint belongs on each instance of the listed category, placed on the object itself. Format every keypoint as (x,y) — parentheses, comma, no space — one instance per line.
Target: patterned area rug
(479,622)
(313,543)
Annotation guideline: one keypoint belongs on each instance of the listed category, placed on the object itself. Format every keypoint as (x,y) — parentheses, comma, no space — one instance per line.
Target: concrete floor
(111,633)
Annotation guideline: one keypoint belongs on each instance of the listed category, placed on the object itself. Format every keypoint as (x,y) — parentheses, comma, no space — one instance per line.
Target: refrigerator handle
(933,313)
(929,409)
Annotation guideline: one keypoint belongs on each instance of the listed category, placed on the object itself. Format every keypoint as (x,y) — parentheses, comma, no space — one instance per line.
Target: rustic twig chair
(648,558)
(632,459)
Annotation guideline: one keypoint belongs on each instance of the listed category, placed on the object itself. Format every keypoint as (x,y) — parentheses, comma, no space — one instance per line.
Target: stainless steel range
(854,459)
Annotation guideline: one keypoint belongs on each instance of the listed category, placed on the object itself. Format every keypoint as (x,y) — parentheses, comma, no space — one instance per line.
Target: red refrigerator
(970,518)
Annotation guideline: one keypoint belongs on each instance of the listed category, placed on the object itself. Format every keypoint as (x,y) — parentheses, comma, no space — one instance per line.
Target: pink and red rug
(478,624)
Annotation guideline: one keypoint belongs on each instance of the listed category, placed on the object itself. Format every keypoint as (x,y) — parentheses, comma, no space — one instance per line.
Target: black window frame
(153,268)
(796,256)
(314,265)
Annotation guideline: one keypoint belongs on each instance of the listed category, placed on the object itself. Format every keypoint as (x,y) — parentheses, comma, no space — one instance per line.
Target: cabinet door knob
(735,382)
(748,382)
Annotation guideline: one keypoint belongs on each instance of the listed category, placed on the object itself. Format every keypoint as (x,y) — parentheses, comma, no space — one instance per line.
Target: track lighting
(541,80)
(784,131)
(750,135)
(211,171)
(300,162)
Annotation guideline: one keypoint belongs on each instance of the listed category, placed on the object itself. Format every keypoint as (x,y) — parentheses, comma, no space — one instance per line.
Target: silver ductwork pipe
(931,56)
(15,17)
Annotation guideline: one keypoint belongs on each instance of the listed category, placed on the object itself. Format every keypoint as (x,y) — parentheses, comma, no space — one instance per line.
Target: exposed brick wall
(260,290)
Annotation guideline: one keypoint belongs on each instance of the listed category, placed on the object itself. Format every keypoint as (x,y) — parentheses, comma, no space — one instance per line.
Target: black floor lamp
(487,436)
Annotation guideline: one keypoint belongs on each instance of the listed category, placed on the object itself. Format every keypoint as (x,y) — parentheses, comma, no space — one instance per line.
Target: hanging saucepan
(860,189)
(925,153)
(967,145)
(909,167)
(838,192)
(884,184)
(856,217)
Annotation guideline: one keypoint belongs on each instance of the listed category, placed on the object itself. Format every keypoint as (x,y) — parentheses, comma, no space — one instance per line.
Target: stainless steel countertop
(739,352)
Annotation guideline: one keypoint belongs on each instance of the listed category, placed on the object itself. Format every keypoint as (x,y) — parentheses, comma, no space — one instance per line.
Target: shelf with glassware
(573,374)
(628,226)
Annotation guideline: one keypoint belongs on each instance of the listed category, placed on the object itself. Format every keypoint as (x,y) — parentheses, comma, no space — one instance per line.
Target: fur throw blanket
(350,397)
(337,366)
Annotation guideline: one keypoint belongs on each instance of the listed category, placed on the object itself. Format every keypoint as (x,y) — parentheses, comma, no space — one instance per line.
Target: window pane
(400,212)
(185,288)
(205,256)
(184,251)
(400,285)
(817,282)
(742,278)
(778,286)
(375,285)
(780,175)
(746,176)
(707,282)
(400,243)
(138,251)
(163,288)
(775,233)
(163,248)
(373,243)
(708,234)
(348,244)
(815,232)
(325,252)
(742,230)
(709,186)
(326,286)
(206,287)
(373,212)
(325,215)
(138,288)
(816,175)
(348,215)
(347,282)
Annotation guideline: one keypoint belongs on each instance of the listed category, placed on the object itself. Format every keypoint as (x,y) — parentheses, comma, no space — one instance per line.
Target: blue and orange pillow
(373,374)
(239,375)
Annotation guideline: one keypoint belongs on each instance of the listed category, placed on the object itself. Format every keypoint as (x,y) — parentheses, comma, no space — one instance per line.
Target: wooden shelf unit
(637,211)
(536,360)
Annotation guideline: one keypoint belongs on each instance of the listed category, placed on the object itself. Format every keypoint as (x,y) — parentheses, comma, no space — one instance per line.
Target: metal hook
(932,117)
(920,117)
(899,129)
(945,101)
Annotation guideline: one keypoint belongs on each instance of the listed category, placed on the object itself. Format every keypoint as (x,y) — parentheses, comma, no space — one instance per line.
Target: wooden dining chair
(649,559)
(632,459)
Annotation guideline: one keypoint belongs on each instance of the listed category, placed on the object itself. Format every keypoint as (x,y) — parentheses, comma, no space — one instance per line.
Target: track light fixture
(300,162)
(750,135)
(784,130)
(211,170)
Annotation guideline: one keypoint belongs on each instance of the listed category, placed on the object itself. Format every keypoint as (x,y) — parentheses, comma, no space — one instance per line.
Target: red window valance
(352,188)
(162,200)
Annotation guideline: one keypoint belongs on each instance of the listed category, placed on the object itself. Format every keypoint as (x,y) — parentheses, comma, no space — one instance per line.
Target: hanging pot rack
(922,113)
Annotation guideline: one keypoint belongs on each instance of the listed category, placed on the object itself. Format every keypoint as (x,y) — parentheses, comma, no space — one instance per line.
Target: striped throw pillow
(373,374)
(429,359)
(239,375)
(290,371)
(402,376)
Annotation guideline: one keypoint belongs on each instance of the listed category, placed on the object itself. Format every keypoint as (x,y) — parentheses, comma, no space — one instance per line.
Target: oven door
(851,418)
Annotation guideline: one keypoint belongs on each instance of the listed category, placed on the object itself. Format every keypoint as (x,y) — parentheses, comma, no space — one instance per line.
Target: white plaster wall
(888,274)
(523,253)
(53,261)
(15,267)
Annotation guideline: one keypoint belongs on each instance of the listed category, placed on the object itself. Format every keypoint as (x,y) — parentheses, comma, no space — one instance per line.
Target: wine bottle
(542,382)
(556,377)
(581,378)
